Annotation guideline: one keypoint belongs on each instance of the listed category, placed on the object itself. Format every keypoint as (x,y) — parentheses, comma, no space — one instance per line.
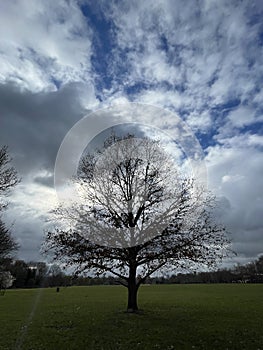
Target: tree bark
(132,291)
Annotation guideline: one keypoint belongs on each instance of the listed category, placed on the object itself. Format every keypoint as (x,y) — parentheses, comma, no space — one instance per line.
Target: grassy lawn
(174,317)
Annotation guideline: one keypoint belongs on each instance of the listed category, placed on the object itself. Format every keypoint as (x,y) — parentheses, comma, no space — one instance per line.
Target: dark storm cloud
(46,180)
(33,125)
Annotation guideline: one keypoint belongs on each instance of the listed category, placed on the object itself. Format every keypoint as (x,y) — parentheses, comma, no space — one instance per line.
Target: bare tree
(8,174)
(7,243)
(8,179)
(135,214)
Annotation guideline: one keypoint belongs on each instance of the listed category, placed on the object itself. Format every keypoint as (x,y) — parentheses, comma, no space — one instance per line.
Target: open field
(174,317)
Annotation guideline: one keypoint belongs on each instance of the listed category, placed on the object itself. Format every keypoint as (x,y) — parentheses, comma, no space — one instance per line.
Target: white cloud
(27,215)
(231,178)
(242,116)
(161,97)
(255,140)
(200,121)
(43,41)
(33,199)
(235,175)
(208,53)
(258,98)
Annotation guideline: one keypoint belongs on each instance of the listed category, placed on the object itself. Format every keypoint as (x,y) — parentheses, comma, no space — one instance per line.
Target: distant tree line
(39,274)
(33,274)
(249,273)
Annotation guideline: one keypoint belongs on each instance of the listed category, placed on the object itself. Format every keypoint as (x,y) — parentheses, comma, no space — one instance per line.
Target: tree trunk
(132,291)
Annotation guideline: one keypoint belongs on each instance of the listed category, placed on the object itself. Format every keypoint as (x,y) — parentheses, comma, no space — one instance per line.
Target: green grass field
(174,317)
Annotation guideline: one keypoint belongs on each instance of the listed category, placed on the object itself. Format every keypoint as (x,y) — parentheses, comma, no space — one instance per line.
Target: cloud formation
(44,44)
(60,60)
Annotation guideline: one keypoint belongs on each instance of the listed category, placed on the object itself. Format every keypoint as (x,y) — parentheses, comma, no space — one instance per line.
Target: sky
(201,60)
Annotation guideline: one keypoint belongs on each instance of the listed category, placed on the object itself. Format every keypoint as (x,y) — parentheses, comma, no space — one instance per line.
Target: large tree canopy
(134,214)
